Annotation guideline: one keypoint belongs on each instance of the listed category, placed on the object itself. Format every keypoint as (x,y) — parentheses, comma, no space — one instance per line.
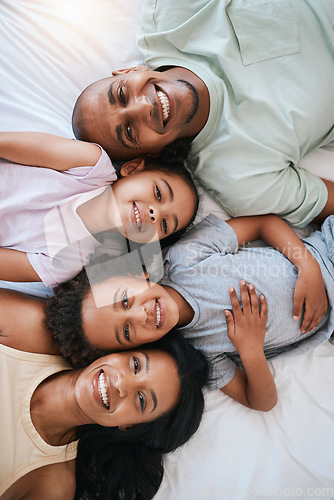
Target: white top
(38,215)
(22,448)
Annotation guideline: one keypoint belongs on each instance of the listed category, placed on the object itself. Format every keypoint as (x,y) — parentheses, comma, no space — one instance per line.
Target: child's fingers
(305,326)
(253,298)
(230,323)
(234,302)
(264,308)
(298,302)
(309,322)
(245,301)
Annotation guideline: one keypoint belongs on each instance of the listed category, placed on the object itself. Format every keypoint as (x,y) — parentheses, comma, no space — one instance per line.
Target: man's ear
(141,67)
(132,166)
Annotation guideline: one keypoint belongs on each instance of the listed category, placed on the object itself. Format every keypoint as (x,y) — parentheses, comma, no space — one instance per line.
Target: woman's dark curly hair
(114,464)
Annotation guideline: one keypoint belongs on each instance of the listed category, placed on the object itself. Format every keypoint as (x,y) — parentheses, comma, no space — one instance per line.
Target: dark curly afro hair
(63,319)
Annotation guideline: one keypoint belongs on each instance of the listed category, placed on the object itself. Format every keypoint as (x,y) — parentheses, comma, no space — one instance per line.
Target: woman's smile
(101,381)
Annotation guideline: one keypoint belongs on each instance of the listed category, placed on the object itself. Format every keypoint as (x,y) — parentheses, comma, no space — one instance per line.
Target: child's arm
(254,387)
(15,266)
(310,288)
(47,150)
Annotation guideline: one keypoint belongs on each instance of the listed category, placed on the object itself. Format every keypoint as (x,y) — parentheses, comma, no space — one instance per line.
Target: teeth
(103,390)
(137,217)
(157,308)
(164,104)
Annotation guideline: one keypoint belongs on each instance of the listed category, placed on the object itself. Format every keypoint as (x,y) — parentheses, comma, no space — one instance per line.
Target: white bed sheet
(49,52)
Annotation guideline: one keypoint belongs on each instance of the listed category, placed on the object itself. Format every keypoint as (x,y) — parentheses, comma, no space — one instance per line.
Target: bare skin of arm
(46,150)
(310,289)
(51,482)
(254,387)
(329,207)
(15,266)
(21,323)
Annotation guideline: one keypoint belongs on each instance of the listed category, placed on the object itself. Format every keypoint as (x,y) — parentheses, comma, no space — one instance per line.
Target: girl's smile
(149,204)
(136,218)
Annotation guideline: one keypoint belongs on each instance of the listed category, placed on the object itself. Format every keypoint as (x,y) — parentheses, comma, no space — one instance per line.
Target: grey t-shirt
(207,261)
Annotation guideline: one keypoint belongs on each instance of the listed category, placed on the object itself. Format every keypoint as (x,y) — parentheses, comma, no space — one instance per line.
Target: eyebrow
(153,395)
(118,338)
(176,223)
(117,335)
(147,364)
(171,195)
(119,133)
(155,402)
(111,97)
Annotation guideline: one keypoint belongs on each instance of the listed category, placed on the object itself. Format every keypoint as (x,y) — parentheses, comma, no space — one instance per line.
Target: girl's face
(125,312)
(149,205)
(127,388)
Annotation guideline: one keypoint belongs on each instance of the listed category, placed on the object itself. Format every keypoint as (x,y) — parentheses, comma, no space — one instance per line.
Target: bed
(50,51)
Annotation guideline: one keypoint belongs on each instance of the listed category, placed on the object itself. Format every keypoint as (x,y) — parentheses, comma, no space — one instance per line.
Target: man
(240,78)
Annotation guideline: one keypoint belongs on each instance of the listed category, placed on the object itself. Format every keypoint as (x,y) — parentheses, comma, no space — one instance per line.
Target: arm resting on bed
(47,150)
(15,266)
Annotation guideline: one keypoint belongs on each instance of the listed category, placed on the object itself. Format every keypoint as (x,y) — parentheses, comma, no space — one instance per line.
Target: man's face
(136,111)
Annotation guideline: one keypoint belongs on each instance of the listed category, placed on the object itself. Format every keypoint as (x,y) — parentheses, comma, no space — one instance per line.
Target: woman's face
(127,388)
(125,312)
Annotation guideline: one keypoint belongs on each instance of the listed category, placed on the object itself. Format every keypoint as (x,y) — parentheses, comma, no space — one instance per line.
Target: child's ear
(132,166)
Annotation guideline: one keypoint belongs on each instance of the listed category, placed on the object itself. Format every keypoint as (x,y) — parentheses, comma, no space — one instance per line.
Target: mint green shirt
(269,70)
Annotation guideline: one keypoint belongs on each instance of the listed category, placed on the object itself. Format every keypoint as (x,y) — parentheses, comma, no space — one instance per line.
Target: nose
(139,314)
(122,385)
(140,107)
(154,214)
(126,384)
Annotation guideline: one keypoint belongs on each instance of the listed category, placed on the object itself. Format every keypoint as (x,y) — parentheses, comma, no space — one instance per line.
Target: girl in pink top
(49,215)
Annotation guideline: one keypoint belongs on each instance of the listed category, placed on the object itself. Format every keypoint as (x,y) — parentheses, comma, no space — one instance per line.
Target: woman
(126,409)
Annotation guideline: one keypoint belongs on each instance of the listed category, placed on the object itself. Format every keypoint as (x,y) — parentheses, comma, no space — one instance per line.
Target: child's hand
(310,289)
(246,328)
